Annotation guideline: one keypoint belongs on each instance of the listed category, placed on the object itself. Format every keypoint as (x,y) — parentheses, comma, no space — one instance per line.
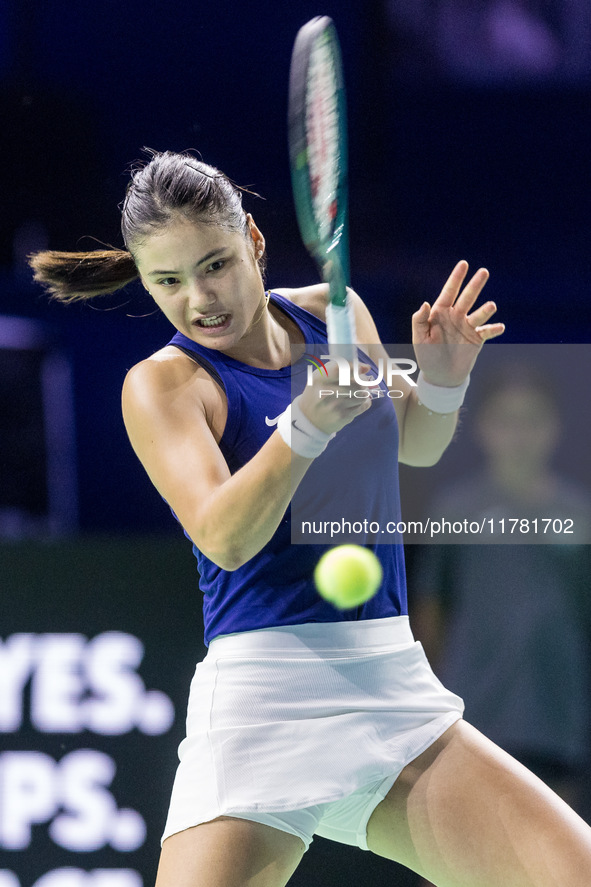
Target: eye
(216,266)
(168,281)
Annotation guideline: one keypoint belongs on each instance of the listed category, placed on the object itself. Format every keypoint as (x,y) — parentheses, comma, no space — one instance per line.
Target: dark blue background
(497,173)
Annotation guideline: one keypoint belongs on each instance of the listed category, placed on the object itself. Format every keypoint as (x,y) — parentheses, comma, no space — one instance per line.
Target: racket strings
(322,128)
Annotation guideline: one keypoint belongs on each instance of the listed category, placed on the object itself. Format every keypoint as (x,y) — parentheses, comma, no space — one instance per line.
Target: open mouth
(215,322)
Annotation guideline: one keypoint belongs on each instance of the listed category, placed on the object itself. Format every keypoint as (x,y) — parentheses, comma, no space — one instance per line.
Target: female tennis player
(303,719)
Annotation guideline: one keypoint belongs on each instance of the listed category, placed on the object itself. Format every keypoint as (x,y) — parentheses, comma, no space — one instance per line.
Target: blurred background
(469,130)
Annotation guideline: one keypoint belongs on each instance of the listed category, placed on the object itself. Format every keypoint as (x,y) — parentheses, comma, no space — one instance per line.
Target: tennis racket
(318,160)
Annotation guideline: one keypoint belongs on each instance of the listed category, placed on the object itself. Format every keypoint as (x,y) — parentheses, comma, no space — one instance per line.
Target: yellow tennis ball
(348,575)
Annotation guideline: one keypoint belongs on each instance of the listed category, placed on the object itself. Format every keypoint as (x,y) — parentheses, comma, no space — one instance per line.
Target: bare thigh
(465,814)
(229,852)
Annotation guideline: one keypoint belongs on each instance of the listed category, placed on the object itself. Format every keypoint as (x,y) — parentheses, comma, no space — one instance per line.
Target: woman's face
(204,279)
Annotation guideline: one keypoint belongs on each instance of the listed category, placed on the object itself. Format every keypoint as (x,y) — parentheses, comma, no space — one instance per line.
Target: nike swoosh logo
(301,430)
(272,421)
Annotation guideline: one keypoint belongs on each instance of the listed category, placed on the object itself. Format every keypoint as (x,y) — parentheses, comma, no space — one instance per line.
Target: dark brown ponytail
(167,186)
(73,277)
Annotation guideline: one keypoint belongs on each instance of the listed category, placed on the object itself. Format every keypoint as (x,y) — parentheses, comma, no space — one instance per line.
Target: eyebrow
(205,258)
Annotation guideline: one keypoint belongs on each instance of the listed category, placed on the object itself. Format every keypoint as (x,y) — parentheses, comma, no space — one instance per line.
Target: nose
(202,297)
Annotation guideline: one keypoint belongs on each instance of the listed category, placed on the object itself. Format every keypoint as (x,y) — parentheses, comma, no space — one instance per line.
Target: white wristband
(300,434)
(438,399)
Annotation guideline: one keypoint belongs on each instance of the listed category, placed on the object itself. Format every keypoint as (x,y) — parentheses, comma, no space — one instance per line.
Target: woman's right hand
(330,406)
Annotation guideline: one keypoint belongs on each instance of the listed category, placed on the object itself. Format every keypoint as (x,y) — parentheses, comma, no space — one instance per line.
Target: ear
(257,237)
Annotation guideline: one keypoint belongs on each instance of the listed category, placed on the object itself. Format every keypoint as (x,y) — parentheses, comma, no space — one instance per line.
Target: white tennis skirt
(286,718)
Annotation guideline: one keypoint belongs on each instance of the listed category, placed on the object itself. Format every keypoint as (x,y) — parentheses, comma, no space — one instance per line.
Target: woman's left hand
(458,334)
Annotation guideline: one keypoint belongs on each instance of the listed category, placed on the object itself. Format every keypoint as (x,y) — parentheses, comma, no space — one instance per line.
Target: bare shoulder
(313,299)
(174,414)
(157,375)
(170,383)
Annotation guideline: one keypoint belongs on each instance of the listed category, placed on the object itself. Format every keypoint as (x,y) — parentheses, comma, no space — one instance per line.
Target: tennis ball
(348,575)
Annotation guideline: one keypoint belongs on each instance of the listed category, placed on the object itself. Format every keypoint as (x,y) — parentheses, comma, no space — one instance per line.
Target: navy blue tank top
(276,587)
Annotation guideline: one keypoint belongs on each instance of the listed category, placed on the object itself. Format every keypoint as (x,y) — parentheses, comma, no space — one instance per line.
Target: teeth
(213,321)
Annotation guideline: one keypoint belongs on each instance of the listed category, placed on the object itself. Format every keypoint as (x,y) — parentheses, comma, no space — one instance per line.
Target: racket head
(317,125)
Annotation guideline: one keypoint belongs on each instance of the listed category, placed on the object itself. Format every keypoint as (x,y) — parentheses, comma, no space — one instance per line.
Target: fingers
(330,402)
(478,319)
(490,331)
(452,285)
(472,290)
(450,294)
(482,314)
(449,320)
(421,323)
(422,315)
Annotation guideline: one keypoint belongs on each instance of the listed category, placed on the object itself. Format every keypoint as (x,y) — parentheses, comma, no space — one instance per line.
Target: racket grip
(340,326)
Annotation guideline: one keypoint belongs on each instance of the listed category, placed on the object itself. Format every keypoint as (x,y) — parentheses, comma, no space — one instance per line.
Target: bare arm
(423,436)
(229,517)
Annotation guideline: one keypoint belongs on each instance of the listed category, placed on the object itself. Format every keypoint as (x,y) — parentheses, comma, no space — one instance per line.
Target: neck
(269,338)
